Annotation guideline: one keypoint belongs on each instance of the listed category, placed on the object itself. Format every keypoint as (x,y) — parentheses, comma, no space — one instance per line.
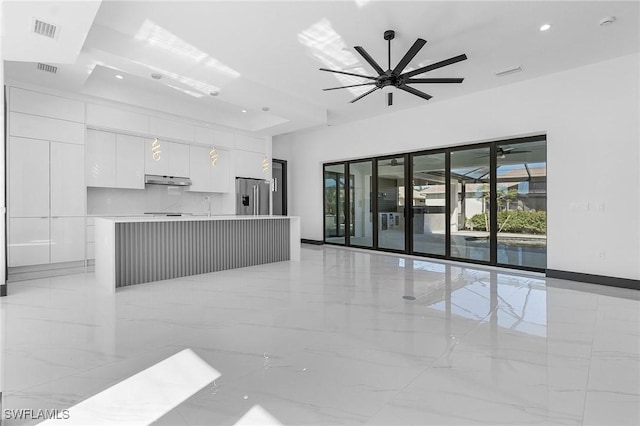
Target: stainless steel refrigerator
(252,196)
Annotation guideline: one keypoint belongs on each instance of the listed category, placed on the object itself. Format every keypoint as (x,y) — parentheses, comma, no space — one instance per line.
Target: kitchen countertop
(142,218)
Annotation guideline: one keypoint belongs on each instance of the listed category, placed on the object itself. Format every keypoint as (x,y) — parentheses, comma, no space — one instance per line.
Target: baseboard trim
(314,242)
(32,272)
(594,279)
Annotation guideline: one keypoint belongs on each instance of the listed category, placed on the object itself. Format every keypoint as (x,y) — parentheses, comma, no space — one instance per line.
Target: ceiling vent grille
(508,71)
(44,28)
(47,68)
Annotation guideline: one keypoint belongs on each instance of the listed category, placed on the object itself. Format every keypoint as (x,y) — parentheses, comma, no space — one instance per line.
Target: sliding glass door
(335,206)
(470,208)
(521,198)
(391,203)
(360,206)
(483,203)
(429,203)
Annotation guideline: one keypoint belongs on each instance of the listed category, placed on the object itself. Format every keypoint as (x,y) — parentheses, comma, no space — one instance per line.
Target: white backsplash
(155,198)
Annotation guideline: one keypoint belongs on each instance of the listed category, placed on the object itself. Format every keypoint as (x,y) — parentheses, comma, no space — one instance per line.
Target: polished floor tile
(341,337)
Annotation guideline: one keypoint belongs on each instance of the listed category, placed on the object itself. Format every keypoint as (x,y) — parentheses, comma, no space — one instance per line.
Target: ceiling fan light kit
(394,78)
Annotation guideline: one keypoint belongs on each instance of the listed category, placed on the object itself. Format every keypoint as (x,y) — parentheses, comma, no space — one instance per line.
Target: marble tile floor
(343,337)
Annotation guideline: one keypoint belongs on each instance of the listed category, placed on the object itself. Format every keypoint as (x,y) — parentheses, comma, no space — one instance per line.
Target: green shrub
(518,222)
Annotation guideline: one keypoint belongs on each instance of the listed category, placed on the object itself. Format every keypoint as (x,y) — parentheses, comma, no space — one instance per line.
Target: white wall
(591,118)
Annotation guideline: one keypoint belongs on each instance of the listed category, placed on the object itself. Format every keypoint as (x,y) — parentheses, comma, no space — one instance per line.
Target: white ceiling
(267,53)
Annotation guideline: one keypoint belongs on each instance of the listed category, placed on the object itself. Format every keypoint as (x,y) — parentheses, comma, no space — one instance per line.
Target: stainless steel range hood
(167,180)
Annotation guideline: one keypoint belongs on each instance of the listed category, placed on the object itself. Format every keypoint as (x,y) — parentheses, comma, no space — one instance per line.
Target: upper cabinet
(179,160)
(249,165)
(129,162)
(114,160)
(44,105)
(117,118)
(166,158)
(156,157)
(206,177)
(51,129)
(101,159)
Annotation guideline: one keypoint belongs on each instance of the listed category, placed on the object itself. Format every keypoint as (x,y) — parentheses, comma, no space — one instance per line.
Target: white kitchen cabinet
(67,239)
(220,173)
(249,165)
(172,159)
(160,164)
(44,105)
(129,162)
(28,177)
(28,241)
(67,190)
(45,128)
(199,166)
(178,160)
(204,176)
(101,159)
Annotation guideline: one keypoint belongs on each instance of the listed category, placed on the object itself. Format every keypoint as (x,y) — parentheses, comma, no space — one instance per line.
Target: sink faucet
(208,200)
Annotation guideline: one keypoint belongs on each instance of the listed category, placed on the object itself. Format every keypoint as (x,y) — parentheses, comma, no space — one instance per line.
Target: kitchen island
(134,250)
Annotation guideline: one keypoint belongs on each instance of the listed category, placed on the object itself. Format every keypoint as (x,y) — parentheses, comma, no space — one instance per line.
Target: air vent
(44,28)
(508,71)
(47,68)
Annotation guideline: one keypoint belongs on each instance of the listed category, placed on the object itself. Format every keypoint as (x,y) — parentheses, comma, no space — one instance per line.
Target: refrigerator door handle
(256,204)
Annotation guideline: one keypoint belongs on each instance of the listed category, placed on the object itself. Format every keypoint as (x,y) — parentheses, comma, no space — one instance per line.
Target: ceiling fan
(394,77)
(503,152)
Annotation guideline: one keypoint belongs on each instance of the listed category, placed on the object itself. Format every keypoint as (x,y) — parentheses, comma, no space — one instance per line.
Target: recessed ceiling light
(545,27)
(244,110)
(119,77)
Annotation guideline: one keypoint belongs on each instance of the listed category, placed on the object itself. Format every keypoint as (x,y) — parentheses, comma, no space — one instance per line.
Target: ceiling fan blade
(415,92)
(363,95)
(348,73)
(433,80)
(369,59)
(389,98)
(411,53)
(345,87)
(435,66)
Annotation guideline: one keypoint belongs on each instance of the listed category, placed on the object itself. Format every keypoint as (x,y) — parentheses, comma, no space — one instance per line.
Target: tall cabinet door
(67,180)
(28,177)
(67,239)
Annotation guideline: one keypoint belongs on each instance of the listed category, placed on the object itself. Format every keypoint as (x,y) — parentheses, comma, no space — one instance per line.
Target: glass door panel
(429,203)
(334,203)
(521,177)
(391,224)
(470,204)
(360,204)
